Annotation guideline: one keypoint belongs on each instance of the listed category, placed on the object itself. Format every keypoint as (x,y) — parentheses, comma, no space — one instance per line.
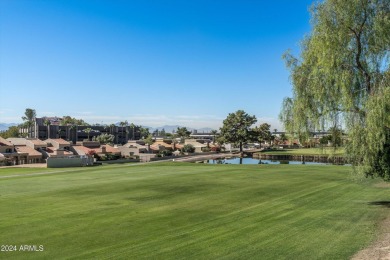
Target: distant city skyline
(188,63)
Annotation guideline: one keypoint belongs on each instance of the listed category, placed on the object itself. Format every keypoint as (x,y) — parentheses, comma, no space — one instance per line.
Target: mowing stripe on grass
(183,210)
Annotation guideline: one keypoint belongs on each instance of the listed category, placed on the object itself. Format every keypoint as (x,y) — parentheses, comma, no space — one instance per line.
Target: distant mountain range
(167,128)
(5,126)
(171,128)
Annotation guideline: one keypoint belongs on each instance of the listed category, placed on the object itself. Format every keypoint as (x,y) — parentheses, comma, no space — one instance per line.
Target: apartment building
(51,128)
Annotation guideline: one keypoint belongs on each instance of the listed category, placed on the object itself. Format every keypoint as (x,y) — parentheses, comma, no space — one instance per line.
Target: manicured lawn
(190,211)
(307,151)
(24,171)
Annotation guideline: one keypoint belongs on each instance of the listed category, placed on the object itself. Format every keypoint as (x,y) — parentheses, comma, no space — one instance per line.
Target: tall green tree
(283,137)
(73,133)
(262,133)
(214,133)
(342,78)
(144,132)
(59,132)
(237,128)
(149,139)
(123,124)
(47,123)
(29,115)
(68,120)
(88,131)
(28,118)
(12,131)
(133,126)
(114,132)
(183,133)
(162,133)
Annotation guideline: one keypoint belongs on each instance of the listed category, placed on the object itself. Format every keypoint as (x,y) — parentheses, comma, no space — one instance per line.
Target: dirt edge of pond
(380,248)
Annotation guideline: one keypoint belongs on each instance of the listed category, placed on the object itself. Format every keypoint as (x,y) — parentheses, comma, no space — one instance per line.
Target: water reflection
(258,161)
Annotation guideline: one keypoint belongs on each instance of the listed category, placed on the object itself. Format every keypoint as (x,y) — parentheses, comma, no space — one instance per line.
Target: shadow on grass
(383,203)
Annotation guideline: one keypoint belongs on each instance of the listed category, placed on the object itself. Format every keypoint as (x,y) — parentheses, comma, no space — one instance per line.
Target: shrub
(167,153)
(206,149)
(188,148)
(164,153)
(215,149)
(110,156)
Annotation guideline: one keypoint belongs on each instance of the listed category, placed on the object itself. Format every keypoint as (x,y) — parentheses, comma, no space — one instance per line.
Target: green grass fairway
(307,151)
(189,211)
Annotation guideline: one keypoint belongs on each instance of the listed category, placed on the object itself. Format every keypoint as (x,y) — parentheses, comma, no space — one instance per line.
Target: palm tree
(133,127)
(88,131)
(71,128)
(29,117)
(105,127)
(214,133)
(47,123)
(59,132)
(67,132)
(123,124)
(112,131)
(183,133)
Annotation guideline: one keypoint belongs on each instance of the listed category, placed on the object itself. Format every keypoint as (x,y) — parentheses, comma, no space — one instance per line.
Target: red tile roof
(111,149)
(83,149)
(155,147)
(37,142)
(178,146)
(60,141)
(54,151)
(98,150)
(161,142)
(30,151)
(4,142)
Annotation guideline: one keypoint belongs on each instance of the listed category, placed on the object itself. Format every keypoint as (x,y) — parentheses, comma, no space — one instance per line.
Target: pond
(248,160)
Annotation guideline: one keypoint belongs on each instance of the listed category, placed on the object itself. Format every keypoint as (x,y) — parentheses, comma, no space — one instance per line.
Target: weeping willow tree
(342,78)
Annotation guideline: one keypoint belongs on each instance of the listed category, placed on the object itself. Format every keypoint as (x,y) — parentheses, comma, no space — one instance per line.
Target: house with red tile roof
(58,148)
(34,143)
(161,142)
(58,143)
(177,146)
(19,151)
(30,149)
(88,147)
(156,148)
(28,155)
(198,146)
(7,152)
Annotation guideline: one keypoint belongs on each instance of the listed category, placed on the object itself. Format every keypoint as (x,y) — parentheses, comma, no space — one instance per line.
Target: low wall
(68,162)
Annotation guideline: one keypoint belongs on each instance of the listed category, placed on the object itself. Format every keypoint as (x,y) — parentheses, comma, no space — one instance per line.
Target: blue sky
(149,62)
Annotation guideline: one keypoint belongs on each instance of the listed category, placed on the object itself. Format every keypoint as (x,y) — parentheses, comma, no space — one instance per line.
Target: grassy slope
(190,211)
(307,151)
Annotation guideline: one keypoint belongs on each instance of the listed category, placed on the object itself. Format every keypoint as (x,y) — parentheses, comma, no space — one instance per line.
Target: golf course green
(188,211)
